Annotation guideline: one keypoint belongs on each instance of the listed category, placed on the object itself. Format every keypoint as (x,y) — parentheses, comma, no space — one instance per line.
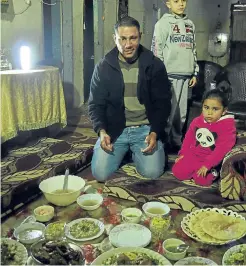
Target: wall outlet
(28,2)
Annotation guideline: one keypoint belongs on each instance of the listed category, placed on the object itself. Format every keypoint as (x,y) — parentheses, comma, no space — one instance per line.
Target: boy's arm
(159,40)
(196,67)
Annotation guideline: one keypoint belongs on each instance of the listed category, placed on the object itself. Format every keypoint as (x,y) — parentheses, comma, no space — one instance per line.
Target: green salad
(237,258)
(131,258)
(84,229)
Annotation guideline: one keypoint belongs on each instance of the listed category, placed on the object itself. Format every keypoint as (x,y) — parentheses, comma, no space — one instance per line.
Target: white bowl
(231,251)
(44,213)
(29,233)
(131,215)
(155,205)
(173,255)
(50,185)
(90,202)
(20,250)
(195,261)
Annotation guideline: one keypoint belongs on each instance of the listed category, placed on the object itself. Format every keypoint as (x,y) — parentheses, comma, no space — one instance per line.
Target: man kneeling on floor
(129,105)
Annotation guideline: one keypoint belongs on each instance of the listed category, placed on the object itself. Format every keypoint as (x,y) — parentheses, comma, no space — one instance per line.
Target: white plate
(130,235)
(97,222)
(21,250)
(100,259)
(194,260)
(230,251)
(186,223)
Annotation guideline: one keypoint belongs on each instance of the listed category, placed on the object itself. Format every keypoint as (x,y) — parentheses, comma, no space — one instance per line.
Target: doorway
(88,53)
(238,33)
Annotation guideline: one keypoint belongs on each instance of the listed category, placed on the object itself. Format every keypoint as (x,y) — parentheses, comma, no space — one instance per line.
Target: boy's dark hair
(126,22)
(218,94)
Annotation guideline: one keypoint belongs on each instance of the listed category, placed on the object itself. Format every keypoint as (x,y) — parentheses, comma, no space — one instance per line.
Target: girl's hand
(192,82)
(202,171)
(179,158)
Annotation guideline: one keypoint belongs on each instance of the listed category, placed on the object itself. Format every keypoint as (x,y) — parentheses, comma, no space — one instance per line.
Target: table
(30,100)
(109,213)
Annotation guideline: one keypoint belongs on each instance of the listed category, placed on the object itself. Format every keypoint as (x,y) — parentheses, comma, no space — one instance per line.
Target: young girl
(208,139)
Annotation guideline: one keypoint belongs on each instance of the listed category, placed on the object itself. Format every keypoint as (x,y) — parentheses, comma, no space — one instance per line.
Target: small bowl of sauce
(90,202)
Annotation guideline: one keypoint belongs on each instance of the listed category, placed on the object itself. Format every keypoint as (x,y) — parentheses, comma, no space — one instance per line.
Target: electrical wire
(45,3)
(21,12)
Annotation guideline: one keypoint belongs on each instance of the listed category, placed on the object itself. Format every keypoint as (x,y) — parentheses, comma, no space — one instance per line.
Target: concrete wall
(25,28)
(204,13)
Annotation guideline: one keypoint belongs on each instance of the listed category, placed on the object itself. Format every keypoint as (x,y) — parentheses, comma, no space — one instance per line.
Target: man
(129,105)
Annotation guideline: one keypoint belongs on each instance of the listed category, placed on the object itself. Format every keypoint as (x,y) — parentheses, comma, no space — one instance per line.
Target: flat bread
(196,228)
(223,227)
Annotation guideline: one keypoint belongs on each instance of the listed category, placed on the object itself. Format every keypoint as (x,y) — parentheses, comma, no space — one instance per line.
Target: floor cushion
(233,171)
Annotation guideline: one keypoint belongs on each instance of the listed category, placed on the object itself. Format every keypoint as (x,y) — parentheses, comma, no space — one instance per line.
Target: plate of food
(214,226)
(235,255)
(130,235)
(131,256)
(84,229)
(13,252)
(56,253)
(195,261)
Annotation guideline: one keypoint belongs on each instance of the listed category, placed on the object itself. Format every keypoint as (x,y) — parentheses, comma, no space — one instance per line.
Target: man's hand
(192,82)
(202,171)
(179,158)
(105,141)
(151,142)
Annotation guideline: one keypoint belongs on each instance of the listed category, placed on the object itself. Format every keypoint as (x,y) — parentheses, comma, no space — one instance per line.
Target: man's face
(127,40)
(177,6)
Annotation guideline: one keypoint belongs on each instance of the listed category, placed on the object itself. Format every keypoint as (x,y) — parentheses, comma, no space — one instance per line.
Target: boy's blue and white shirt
(174,43)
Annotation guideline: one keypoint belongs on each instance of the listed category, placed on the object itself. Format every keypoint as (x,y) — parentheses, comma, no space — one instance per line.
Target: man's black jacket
(106,101)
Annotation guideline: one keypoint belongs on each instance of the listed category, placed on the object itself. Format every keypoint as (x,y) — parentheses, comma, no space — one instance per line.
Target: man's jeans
(150,165)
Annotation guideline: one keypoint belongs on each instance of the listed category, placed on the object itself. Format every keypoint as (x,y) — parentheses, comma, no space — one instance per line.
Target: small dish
(44,213)
(156,208)
(195,261)
(130,235)
(92,228)
(55,231)
(90,202)
(227,257)
(170,244)
(29,233)
(131,215)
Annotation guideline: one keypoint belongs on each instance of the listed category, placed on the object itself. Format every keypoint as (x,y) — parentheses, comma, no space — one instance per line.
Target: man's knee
(150,172)
(100,174)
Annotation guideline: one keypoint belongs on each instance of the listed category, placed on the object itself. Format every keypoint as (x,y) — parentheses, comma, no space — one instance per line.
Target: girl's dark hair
(126,22)
(218,94)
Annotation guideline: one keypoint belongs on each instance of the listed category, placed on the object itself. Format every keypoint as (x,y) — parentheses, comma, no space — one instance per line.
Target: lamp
(25,57)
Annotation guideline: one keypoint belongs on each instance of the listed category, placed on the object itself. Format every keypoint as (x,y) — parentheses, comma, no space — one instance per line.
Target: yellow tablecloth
(31,100)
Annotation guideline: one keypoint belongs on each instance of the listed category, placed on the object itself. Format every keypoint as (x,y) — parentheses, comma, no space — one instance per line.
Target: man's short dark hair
(126,22)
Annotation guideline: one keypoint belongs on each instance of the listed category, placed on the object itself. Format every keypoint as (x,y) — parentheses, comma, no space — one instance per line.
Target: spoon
(66,180)
(182,247)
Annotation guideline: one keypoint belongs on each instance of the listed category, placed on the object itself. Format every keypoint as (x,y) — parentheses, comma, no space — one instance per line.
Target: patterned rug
(24,168)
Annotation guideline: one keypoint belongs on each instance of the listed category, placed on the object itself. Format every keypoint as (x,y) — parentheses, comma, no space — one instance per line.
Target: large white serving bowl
(231,251)
(50,185)
(104,256)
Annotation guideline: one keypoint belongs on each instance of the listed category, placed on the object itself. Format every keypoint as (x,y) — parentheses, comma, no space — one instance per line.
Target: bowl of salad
(235,255)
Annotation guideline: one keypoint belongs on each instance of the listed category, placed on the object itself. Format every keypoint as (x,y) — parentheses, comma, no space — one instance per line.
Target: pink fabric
(205,144)
(187,167)
(225,132)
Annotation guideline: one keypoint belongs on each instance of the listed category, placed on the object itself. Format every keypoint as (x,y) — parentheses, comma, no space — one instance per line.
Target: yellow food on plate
(224,227)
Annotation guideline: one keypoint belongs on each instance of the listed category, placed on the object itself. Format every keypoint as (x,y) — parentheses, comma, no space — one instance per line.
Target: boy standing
(174,43)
